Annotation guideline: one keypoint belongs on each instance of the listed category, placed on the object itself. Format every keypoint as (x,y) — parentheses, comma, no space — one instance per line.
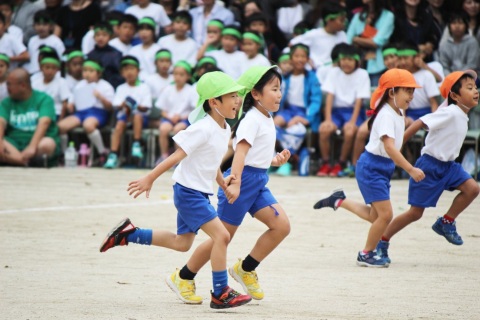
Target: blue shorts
(288,113)
(373,175)
(341,115)
(415,114)
(122,116)
(194,209)
(254,195)
(100,114)
(181,121)
(439,176)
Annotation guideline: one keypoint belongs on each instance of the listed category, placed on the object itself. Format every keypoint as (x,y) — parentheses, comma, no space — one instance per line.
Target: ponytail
(381,103)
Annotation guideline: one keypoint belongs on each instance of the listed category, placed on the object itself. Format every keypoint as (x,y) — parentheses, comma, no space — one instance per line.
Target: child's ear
(255,94)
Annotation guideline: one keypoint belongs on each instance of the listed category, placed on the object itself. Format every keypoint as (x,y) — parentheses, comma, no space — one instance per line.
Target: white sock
(64,142)
(96,138)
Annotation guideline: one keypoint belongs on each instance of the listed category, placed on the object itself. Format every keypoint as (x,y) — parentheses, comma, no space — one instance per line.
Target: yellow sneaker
(248,280)
(185,289)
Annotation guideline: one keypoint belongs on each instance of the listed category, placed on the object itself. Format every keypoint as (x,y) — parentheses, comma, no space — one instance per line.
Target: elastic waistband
(202,193)
(254,170)
(382,160)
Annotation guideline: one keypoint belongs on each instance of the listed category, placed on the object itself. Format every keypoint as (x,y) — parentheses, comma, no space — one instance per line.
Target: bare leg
(165,128)
(170,240)
(385,213)
(68,124)
(326,129)
(468,192)
(401,221)
(349,132)
(11,155)
(46,146)
(360,141)
(137,126)
(117,135)
(360,209)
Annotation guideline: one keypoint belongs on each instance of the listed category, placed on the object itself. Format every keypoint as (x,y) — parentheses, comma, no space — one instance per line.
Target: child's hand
(97,94)
(297,119)
(175,118)
(140,186)
(232,192)
(212,38)
(228,180)
(70,108)
(281,158)
(416,174)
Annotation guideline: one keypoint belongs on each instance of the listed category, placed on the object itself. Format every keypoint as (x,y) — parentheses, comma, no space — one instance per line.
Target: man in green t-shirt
(27,122)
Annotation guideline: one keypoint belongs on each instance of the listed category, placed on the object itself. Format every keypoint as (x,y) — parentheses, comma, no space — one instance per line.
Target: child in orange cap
(377,163)
(447,128)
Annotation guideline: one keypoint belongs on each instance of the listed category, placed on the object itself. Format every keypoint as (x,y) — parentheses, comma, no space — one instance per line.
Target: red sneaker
(229,298)
(118,235)
(324,170)
(337,168)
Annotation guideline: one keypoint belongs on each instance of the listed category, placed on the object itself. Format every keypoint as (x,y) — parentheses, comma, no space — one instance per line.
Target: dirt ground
(53,221)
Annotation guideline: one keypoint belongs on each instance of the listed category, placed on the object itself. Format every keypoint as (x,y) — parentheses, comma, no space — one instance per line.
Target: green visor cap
(250,78)
(211,85)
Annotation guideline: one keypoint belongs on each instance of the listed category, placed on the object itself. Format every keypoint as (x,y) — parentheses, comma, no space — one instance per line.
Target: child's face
(471,7)
(180,76)
(258,26)
(180,28)
(146,35)
(6,11)
(42,29)
(143,3)
(214,34)
(130,73)
(407,63)
(337,24)
(90,74)
(126,32)
(163,65)
(101,38)
(390,61)
(3,69)
(229,43)
(49,71)
(74,67)
(468,94)
(286,66)
(347,64)
(270,96)
(250,47)
(457,28)
(229,105)
(299,59)
(403,97)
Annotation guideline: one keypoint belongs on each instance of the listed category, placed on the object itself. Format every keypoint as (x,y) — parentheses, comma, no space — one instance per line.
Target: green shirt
(22,116)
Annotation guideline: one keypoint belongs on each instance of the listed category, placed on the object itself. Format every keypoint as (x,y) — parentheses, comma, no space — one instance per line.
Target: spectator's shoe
(348,172)
(448,230)
(184,289)
(331,200)
(337,168)
(248,280)
(137,150)
(229,298)
(382,250)
(324,170)
(112,161)
(371,259)
(118,235)
(284,170)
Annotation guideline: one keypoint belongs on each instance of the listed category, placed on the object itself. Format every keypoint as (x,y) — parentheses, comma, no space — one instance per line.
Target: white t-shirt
(120,46)
(3,90)
(181,50)
(88,42)
(157,84)
(71,82)
(205,144)
(140,93)
(35,42)
(230,63)
(258,60)
(447,128)
(15,31)
(429,89)
(288,17)
(387,123)
(177,102)
(296,90)
(259,131)
(347,87)
(83,98)
(154,11)
(57,89)
(11,47)
(146,57)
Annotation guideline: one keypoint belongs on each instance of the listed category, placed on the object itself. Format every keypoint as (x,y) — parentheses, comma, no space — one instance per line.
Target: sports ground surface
(53,221)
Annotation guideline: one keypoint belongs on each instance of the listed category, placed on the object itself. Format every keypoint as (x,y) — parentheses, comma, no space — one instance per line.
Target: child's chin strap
(221,115)
(261,105)
(464,107)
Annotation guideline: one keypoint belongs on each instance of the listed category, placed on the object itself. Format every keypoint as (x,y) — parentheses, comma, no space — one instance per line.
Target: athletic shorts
(100,114)
(288,113)
(415,114)
(181,121)
(341,115)
(122,116)
(373,174)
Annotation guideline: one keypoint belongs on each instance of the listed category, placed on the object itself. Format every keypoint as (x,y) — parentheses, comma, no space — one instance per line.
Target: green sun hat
(211,85)
(250,78)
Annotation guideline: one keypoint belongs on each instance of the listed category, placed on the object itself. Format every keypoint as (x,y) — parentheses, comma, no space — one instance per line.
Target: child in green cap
(4,65)
(200,150)
(254,143)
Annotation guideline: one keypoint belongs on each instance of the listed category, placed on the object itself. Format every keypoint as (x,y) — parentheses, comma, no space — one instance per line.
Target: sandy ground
(53,221)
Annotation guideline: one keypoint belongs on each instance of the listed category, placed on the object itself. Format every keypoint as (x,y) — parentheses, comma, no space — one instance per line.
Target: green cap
(211,85)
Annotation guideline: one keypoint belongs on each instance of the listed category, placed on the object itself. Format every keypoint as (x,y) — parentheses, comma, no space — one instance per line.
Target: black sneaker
(330,200)
(118,235)
(229,298)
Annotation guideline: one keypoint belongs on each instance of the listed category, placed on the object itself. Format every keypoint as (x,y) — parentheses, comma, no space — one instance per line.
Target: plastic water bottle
(71,156)
(304,164)
(84,152)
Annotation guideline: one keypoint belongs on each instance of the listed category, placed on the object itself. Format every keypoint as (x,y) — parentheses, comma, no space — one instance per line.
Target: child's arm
(31,149)
(329,106)
(233,190)
(145,183)
(412,129)
(64,111)
(107,104)
(281,158)
(356,111)
(22,57)
(397,157)
(433,103)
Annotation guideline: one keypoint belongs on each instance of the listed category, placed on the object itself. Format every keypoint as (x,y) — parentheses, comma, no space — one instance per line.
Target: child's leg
(468,192)
(326,129)
(360,209)
(90,125)
(10,154)
(401,221)
(46,146)
(385,213)
(349,131)
(138,126)
(68,124)
(170,240)
(221,238)
(163,138)
(360,141)
(117,135)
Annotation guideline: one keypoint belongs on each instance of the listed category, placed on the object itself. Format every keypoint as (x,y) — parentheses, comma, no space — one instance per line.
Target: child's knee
(415,213)
(471,189)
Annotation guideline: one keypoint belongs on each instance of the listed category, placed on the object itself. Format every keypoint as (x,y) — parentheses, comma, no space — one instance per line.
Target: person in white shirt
(4,65)
(6,8)
(73,68)
(145,51)
(252,46)
(145,8)
(113,18)
(12,47)
(127,27)
(229,59)
(90,106)
(55,87)
(133,102)
(162,78)
(180,45)
(176,102)
(43,26)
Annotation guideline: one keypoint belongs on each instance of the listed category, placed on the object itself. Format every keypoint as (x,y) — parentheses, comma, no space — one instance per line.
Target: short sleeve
(119,97)
(385,125)
(161,102)
(438,119)
(364,89)
(146,99)
(430,86)
(108,91)
(46,107)
(247,130)
(191,138)
(329,84)
(65,93)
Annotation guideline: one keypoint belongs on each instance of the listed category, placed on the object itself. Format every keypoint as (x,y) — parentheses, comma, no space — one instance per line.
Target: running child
(254,143)
(447,128)
(376,165)
(200,151)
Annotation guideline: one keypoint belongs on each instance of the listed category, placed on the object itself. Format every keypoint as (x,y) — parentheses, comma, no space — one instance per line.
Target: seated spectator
(88,40)
(23,16)
(4,65)
(146,50)
(73,68)
(204,65)
(127,27)
(145,8)
(28,126)
(285,65)
(6,8)
(162,78)
(213,39)
(257,22)
(12,47)
(252,45)
(288,17)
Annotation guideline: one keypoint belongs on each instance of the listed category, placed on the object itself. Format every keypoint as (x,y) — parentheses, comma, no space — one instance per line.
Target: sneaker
(137,150)
(448,230)
(184,289)
(324,170)
(284,170)
(248,280)
(348,172)
(382,250)
(330,200)
(337,168)
(229,298)
(118,235)
(371,259)
(112,161)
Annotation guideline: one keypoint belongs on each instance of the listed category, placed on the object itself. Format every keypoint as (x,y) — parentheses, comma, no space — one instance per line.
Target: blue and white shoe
(371,259)
(137,150)
(448,230)
(331,200)
(382,250)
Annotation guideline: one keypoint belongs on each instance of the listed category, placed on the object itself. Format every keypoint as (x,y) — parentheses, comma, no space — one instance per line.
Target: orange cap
(392,78)
(451,79)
